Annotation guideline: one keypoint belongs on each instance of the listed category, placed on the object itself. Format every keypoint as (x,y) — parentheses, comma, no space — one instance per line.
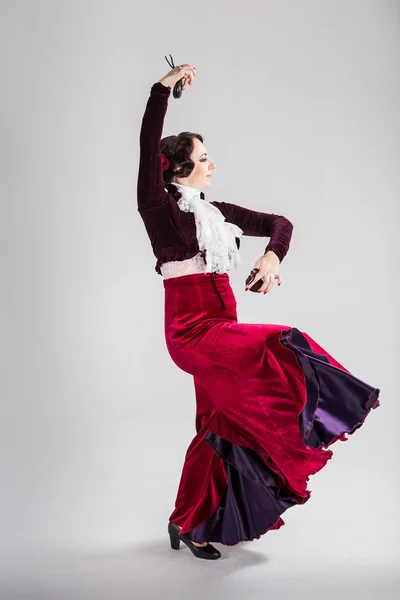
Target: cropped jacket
(172,232)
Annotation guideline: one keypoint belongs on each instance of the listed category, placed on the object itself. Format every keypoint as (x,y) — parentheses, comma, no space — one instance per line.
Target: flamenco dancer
(269,399)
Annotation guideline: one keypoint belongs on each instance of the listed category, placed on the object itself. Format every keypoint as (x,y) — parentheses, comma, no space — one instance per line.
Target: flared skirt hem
(248,486)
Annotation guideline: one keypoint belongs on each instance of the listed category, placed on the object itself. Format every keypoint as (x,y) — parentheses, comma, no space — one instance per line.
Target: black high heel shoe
(208,552)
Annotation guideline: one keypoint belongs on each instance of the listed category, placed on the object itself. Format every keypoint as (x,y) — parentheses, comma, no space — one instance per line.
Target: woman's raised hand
(185,72)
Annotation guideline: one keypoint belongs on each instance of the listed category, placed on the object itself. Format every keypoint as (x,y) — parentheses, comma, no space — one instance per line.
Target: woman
(269,399)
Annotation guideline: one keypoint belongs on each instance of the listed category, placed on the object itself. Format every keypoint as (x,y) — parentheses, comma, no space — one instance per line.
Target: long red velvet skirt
(269,401)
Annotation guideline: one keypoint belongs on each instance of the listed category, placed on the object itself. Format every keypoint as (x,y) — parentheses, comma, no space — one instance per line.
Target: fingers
(269,282)
(188,72)
(185,67)
(256,278)
(188,78)
(266,286)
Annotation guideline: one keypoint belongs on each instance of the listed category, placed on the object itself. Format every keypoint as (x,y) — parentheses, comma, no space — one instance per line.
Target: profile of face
(200,177)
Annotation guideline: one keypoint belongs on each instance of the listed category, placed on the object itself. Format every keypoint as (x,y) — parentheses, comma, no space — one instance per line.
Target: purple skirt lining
(337,404)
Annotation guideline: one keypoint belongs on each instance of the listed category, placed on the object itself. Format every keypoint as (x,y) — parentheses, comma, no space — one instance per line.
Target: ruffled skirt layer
(269,402)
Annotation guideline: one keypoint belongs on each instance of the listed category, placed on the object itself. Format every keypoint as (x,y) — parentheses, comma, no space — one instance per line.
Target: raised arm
(150,184)
(260,224)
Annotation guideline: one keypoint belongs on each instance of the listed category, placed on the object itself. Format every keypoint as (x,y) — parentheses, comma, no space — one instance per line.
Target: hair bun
(177,149)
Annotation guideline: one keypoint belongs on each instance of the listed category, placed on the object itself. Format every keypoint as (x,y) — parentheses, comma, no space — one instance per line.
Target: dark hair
(178,148)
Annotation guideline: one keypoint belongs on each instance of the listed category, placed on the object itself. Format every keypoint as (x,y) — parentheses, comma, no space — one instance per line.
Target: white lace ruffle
(177,268)
(215,235)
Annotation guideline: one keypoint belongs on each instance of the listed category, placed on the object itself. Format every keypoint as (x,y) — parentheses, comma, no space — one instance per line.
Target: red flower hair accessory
(164,162)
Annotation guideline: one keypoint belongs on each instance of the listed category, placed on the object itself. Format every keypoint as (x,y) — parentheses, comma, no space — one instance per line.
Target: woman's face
(200,177)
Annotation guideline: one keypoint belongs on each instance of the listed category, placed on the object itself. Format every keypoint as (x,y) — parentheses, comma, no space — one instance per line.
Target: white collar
(187,191)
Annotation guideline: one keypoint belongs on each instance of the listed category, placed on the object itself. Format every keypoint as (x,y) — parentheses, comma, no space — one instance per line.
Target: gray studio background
(299,106)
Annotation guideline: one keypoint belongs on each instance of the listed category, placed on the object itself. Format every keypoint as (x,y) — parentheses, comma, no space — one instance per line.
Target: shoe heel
(173,531)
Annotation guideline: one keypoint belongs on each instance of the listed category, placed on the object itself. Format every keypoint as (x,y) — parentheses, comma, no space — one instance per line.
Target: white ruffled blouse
(214,235)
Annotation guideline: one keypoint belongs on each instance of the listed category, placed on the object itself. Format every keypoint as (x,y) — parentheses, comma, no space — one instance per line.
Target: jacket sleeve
(150,183)
(259,224)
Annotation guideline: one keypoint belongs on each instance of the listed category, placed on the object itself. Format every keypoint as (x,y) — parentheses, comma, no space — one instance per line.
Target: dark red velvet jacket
(172,232)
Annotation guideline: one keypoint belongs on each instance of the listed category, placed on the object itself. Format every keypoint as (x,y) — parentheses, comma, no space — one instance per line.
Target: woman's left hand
(268,266)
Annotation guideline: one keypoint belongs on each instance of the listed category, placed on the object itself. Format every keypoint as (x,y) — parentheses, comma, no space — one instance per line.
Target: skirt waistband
(194,277)
(191,266)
